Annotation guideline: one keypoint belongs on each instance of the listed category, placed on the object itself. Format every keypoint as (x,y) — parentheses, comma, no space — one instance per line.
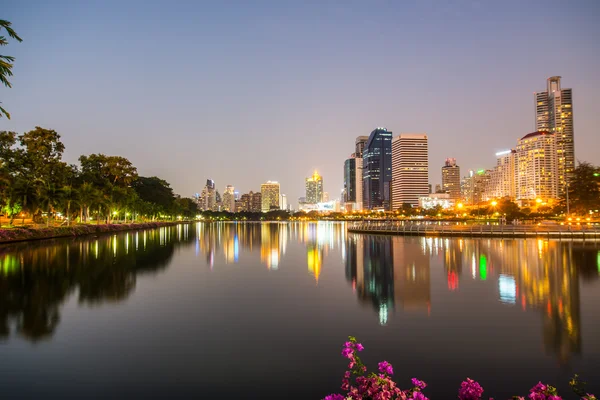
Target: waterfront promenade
(585,232)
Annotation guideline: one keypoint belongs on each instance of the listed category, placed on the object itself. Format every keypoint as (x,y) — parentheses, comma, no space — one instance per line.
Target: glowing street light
(538,200)
(494,203)
(460,205)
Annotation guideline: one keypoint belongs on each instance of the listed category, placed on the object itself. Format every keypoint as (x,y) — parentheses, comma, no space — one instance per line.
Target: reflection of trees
(42,275)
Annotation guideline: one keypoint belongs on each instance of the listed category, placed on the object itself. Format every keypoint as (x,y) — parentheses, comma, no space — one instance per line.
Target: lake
(260,310)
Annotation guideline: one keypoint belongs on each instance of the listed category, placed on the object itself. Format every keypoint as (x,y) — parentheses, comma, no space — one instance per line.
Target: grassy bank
(29,233)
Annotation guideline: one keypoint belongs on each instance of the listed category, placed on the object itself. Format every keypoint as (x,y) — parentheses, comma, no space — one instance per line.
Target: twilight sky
(248,91)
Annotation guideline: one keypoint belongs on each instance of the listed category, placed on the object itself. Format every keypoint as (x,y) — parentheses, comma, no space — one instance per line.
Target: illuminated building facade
(314,188)
(208,197)
(554,114)
(451,178)
(502,178)
(269,196)
(410,169)
(377,170)
(228,199)
(536,167)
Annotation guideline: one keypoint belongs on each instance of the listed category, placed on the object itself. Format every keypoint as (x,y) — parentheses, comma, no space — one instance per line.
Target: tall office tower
(377,170)
(208,198)
(325,197)
(502,177)
(255,201)
(314,189)
(451,178)
(283,201)
(244,202)
(536,165)
(270,196)
(410,169)
(228,199)
(350,180)
(554,114)
(359,146)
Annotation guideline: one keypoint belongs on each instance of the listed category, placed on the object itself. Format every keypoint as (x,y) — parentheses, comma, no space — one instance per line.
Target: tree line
(36,182)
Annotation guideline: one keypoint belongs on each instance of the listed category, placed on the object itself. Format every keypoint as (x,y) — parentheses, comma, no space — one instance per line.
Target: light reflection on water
(415,297)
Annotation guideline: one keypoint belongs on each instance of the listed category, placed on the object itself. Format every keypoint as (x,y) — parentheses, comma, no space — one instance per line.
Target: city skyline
(188,113)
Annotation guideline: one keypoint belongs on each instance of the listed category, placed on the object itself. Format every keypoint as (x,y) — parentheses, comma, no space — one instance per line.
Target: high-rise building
(474,188)
(451,178)
(502,177)
(536,167)
(325,197)
(314,189)
(228,199)
(283,201)
(554,114)
(270,196)
(359,146)
(410,169)
(377,170)
(208,200)
(353,193)
(255,201)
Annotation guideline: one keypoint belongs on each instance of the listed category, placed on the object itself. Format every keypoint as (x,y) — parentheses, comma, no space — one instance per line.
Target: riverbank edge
(522,234)
(13,235)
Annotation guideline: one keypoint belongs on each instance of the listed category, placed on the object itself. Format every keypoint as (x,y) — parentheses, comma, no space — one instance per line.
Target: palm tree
(87,196)
(6,61)
(68,193)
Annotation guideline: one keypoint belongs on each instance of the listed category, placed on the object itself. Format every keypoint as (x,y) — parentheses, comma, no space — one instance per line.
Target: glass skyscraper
(377,170)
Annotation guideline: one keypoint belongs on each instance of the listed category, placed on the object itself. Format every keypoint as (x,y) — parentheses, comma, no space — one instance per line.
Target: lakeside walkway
(584,232)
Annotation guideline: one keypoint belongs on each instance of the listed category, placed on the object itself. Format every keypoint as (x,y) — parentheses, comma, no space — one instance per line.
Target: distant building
(359,146)
(536,167)
(438,188)
(410,172)
(228,199)
(436,199)
(474,188)
(314,188)
(208,200)
(377,170)
(255,202)
(283,202)
(451,178)
(270,196)
(502,177)
(554,114)
(353,177)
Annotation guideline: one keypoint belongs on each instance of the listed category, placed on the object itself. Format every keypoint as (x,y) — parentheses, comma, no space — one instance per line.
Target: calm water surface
(260,311)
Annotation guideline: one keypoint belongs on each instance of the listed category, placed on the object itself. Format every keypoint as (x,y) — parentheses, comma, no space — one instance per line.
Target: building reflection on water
(392,273)
(230,239)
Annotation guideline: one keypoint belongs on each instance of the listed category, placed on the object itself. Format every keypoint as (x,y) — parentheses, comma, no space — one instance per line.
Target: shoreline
(497,231)
(18,234)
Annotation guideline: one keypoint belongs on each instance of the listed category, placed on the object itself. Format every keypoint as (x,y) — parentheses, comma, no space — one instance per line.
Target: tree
(154,190)
(407,209)
(43,168)
(6,62)
(584,189)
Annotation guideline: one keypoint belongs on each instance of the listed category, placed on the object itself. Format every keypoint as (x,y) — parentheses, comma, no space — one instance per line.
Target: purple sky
(248,91)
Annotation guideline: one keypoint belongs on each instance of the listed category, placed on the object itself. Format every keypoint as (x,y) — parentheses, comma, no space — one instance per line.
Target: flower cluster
(379,386)
(470,390)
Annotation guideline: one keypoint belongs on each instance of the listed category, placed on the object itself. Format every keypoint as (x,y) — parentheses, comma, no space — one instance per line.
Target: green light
(483,267)
(598,262)
(596,174)
(481,171)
